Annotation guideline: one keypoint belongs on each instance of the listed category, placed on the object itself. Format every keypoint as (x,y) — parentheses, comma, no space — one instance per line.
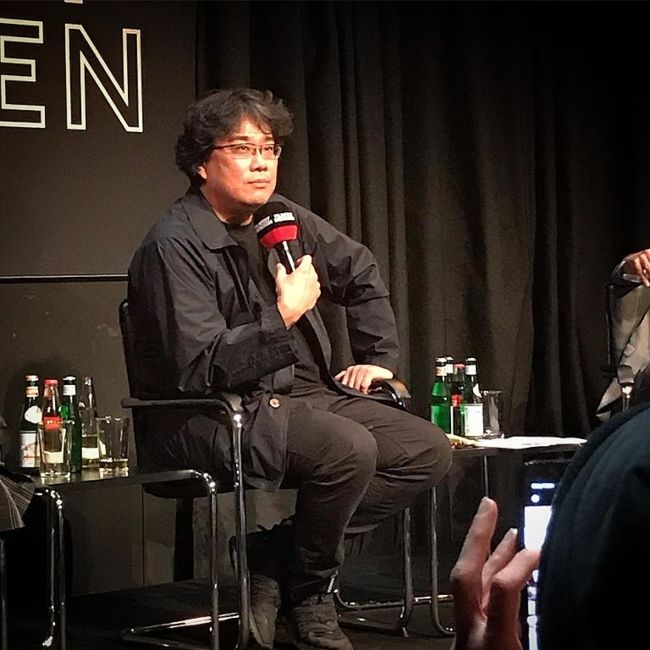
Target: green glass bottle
(69,410)
(441,397)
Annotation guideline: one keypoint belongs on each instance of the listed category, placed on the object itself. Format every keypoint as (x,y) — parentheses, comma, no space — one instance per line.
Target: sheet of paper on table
(526,442)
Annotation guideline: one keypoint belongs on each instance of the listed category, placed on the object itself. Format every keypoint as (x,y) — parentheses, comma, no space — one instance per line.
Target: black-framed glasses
(269,151)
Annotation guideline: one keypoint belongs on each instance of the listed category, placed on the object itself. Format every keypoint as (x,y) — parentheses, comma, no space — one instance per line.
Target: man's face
(235,187)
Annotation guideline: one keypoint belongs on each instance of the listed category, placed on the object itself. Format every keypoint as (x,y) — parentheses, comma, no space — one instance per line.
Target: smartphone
(540,480)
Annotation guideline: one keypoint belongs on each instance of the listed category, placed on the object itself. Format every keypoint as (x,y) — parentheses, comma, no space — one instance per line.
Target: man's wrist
(289,316)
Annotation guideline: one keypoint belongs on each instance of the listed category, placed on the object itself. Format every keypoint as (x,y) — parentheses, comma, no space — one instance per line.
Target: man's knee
(355,452)
(436,455)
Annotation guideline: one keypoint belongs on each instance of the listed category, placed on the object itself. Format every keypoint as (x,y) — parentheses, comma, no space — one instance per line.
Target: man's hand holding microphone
(298,291)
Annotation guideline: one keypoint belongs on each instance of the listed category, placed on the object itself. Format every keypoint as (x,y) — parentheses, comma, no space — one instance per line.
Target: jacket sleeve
(184,313)
(349,276)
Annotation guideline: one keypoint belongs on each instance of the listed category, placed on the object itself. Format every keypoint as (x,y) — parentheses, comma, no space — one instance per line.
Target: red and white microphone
(276,226)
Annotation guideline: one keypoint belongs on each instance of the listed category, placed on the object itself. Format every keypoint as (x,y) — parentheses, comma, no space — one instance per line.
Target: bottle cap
(51,382)
(31,377)
(69,378)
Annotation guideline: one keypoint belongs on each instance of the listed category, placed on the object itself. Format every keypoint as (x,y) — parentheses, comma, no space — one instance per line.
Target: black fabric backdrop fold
(494,157)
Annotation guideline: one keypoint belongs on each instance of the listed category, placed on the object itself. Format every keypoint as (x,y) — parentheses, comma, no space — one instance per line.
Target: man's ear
(202,173)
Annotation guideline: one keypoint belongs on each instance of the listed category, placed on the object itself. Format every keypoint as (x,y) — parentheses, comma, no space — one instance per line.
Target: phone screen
(540,481)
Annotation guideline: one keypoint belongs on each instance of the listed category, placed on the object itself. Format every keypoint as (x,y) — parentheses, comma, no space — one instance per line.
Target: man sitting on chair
(628,305)
(213,310)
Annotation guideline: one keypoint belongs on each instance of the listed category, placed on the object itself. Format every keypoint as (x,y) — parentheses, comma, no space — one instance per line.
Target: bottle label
(472,420)
(51,422)
(89,453)
(33,414)
(69,389)
(31,391)
(28,450)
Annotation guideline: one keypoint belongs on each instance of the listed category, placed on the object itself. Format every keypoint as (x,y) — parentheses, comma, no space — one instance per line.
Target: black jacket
(201,326)
(595,561)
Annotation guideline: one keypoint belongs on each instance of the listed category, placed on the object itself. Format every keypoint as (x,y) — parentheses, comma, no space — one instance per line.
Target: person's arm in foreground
(487,587)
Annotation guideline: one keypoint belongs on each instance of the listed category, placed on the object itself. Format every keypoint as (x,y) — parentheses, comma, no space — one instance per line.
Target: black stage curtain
(494,156)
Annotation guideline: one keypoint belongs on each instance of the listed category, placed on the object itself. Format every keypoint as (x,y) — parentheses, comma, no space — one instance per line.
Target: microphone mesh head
(274,224)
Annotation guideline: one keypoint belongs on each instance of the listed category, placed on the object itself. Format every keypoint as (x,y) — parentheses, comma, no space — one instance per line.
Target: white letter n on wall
(82,59)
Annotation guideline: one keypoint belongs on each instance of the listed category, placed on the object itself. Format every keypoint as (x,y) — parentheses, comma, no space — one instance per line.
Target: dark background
(494,156)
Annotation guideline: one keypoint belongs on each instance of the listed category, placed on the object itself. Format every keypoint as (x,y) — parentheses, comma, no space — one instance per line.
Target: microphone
(276,226)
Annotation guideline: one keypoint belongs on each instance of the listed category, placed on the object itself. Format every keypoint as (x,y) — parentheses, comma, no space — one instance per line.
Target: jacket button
(274,402)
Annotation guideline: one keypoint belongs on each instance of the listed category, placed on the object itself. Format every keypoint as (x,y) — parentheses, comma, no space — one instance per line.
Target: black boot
(313,624)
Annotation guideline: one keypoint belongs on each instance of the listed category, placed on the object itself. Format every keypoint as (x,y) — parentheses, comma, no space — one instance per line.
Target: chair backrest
(127,344)
(141,433)
(628,330)
(139,419)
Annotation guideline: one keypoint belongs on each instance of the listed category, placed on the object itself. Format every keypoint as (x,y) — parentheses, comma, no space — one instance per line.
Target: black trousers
(354,462)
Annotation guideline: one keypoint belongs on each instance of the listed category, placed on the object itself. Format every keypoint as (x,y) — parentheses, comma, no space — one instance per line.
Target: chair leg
(3,597)
(409,600)
(435,596)
(140,635)
(144,635)
(240,535)
(348,608)
(56,568)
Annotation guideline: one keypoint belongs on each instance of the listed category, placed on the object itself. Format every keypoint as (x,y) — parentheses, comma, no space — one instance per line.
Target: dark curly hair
(218,114)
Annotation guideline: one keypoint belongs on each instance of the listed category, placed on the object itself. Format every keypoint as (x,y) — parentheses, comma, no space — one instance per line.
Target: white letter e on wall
(26,116)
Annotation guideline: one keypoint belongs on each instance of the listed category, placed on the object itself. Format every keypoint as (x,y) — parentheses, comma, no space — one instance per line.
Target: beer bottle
(450,369)
(69,410)
(472,406)
(441,397)
(88,412)
(30,418)
(457,383)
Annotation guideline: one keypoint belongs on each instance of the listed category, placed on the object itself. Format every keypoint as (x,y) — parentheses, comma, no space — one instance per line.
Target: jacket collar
(208,227)
(212,232)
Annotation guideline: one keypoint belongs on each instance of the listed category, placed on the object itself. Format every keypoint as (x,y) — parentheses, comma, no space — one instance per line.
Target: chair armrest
(392,388)
(625,376)
(229,404)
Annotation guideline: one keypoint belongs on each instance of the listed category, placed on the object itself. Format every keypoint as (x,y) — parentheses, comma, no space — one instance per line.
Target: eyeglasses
(246,150)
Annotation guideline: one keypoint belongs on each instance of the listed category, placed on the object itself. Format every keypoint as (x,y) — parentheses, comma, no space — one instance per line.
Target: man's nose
(257,160)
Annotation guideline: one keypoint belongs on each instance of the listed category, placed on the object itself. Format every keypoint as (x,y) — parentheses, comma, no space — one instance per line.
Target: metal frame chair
(626,309)
(227,410)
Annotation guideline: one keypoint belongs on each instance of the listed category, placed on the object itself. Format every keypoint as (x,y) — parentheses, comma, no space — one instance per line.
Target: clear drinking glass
(113,443)
(492,413)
